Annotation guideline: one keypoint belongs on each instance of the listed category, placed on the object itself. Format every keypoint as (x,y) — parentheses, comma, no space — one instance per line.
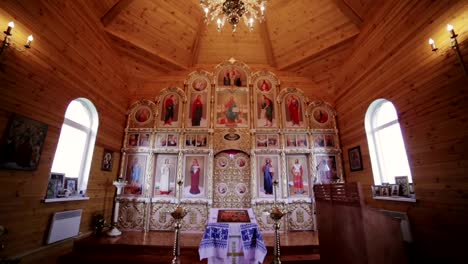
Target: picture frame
(302,141)
(171,104)
(385,190)
(264,84)
(198,111)
(196,140)
(195,171)
(145,139)
(293,111)
(265,111)
(200,83)
(241,162)
(330,141)
(298,175)
(232,76)
(327,168)
(290,141)
(167,140)
(135,173)
(320,115)
(266,177)
(267,140)
(355,159)
(142,115)
(165,173)
(261,141)
(55,185)
(296,141)
(71,184)
(376,190)
(133,139)
(273,141)
(232,108)
(22,142)
(107,160)
(222,163)
(403,185)
(411,188)
(394,190)
(319,140)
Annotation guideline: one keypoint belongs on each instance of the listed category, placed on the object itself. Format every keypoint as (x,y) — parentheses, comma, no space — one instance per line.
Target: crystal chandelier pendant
(233,11)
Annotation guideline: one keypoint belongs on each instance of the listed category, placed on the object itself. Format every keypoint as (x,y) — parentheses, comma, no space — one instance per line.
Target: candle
(275,184)
(180,182)
(11,25)
(28,42)
(219,24)
(452,32)
(251,23)
(432,43)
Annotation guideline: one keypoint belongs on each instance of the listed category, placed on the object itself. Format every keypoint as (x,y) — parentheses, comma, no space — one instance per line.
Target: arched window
(76,143)
(386,147)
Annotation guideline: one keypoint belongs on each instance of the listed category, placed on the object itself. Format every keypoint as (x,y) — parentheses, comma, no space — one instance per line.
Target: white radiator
(404,224)
(64,225)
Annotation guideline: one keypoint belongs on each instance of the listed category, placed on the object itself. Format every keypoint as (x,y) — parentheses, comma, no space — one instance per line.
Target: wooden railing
(349,232)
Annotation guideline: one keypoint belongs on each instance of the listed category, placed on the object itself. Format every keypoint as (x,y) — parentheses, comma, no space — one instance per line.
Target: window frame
(91,134)
(376,152)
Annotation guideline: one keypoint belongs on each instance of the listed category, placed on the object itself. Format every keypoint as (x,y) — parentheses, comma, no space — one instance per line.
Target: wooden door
(231,183)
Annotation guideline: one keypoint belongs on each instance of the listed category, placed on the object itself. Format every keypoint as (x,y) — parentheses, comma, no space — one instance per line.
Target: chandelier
(233,11)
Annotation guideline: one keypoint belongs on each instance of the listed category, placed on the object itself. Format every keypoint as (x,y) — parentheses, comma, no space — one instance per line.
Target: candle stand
(277,212)
(178,213)
(119,184)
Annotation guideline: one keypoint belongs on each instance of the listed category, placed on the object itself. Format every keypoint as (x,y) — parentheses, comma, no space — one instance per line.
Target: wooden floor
(156,247)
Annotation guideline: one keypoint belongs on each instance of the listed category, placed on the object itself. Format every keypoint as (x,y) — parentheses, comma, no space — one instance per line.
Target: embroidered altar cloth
(236,242)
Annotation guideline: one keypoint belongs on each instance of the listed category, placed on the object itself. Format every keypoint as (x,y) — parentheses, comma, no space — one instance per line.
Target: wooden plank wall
(70,58)
(392,59)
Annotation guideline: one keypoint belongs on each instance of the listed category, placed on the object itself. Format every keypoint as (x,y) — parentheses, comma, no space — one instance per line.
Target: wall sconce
(7,39)
(453,39)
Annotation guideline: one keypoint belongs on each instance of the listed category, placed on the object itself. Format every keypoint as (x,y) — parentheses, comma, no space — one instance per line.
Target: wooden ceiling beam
(318,55)
(115,11)
(349,12)
(154,60)
(265,35)
(196,42)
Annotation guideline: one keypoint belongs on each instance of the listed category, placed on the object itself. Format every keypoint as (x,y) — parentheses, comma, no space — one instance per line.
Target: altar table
(239,241)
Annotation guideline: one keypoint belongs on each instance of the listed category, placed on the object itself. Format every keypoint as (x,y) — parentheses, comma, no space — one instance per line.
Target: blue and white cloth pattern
(215,241)
(252,243)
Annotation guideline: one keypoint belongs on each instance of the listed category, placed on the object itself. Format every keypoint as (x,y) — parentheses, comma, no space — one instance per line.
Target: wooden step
(295,259)
(74,258)
(158,248)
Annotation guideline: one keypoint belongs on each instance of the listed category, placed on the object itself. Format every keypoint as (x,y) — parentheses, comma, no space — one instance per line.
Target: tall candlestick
(119,184)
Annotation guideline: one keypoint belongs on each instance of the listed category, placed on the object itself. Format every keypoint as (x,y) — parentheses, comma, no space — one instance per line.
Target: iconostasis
(227,135)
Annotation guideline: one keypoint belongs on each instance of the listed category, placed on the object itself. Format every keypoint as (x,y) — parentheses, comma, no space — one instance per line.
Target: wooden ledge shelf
(68,199)
(398,199)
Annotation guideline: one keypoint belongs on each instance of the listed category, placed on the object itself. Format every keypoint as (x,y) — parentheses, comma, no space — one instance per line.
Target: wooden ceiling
(154,37)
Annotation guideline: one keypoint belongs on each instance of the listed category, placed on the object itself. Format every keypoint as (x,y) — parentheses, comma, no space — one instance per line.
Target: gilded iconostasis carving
(227,135)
